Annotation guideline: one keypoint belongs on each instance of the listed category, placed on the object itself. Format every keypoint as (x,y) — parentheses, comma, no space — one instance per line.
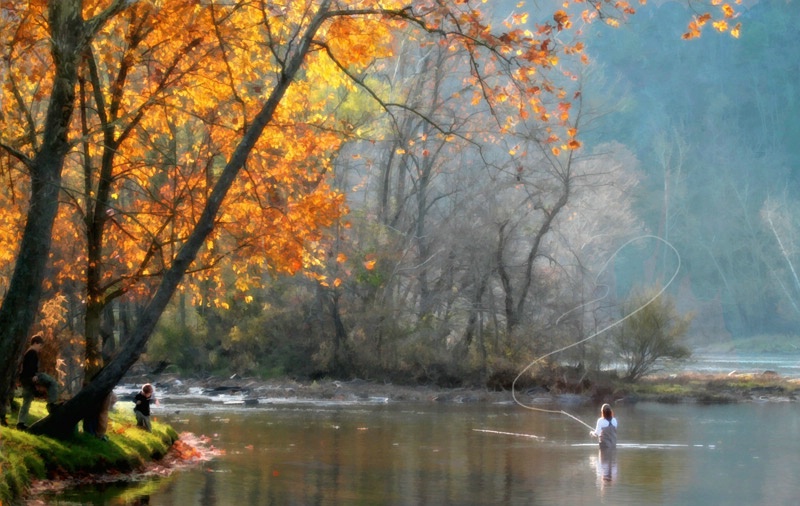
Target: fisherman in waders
(606,429)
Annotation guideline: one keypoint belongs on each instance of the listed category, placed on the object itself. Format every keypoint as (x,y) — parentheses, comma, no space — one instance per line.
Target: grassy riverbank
(25,458)
(712,389)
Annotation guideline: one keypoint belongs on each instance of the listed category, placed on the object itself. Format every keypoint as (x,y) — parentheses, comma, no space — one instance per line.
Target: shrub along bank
(25,457)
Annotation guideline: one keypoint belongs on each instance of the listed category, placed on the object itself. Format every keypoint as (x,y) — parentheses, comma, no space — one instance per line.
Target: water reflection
(485,454)
(605,465)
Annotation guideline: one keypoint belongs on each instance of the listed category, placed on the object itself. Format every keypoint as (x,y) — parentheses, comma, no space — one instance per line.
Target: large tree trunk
(21,303)
(62,422)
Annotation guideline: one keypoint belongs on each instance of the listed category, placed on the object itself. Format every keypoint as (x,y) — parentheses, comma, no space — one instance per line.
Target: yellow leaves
(556,134)
(562,20)
(726,11)
(520,19)
(571,145)
(358,40)
(625,7)
(294,265)
(576,48)
(563,108)
(588,16)
(693,31)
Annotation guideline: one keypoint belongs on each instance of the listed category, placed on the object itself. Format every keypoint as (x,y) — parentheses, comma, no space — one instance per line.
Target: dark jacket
(142,404)
(30,367)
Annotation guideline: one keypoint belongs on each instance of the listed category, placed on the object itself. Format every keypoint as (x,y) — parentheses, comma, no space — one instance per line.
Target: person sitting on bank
(30,377)
(142,407)
(606,429)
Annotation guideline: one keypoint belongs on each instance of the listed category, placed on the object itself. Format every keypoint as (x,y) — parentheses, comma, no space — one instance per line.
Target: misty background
(468,255)
(714,124)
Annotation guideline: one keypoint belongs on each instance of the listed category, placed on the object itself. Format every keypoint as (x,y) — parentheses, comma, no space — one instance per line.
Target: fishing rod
(601,331)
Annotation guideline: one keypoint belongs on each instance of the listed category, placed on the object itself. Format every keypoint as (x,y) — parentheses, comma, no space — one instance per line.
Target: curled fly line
(604,329)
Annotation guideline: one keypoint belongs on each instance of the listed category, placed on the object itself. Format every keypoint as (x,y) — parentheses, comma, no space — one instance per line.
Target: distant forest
(456,270)
(480,232)
(714,123)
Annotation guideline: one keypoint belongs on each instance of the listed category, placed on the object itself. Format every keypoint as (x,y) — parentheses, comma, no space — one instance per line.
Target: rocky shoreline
(248,390)
(689,387)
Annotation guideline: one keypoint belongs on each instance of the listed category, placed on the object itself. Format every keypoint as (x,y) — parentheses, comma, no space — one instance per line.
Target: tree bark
(62,422)
(69,36)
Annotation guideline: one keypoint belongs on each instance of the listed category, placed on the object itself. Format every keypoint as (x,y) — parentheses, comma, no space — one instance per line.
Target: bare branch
(19,155)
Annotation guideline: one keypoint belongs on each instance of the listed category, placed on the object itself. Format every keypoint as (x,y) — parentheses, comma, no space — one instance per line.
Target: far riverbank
(183,395)
(670,388)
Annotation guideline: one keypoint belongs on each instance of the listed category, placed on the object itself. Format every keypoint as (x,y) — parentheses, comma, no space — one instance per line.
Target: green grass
(25,457)
(713,388)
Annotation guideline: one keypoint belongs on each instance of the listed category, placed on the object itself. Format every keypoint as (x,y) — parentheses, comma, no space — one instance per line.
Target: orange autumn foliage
(718,16)
(169,87)
(161,110)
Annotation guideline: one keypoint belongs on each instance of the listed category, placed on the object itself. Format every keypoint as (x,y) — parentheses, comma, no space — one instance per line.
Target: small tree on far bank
(654,331)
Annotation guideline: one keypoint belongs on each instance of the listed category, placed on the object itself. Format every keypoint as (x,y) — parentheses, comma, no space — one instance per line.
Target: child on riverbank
(142,407)
(30,377)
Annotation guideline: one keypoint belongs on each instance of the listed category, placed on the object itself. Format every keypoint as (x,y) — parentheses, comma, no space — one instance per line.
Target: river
(787,366)
(396,453)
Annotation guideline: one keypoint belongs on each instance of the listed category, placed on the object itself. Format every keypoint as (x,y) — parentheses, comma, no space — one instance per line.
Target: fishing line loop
(604,329)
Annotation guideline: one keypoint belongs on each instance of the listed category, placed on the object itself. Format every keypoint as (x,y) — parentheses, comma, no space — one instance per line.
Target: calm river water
(470,454)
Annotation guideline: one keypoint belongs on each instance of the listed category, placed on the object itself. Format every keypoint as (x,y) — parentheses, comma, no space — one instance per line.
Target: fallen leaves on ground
(188,451)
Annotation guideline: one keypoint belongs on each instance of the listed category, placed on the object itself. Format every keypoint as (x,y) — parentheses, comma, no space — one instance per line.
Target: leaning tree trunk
(62,422)
(69,36)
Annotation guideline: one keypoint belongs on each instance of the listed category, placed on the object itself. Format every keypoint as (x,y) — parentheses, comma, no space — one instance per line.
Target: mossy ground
(25,457)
